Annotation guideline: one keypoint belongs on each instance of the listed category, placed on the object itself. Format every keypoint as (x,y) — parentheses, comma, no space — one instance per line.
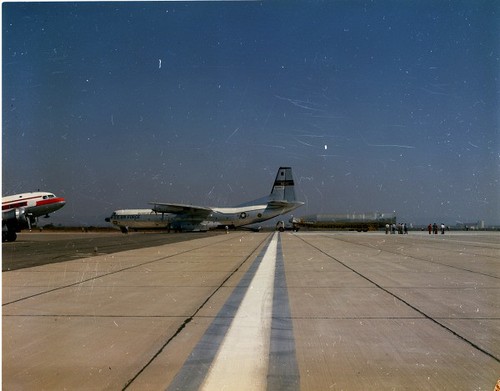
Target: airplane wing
(198,211)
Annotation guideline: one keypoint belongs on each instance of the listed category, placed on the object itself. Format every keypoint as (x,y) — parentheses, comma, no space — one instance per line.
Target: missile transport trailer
(346,221)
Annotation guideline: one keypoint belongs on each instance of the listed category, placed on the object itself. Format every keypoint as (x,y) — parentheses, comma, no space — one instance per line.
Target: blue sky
(383,105)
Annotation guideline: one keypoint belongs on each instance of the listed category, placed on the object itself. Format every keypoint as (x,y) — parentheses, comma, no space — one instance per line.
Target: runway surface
(276,311)
(27,251)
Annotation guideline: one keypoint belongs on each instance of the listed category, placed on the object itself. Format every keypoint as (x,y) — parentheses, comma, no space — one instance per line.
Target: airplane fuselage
(181,217)
(21,211)
(35,204)
(138,219)
(126,219)
(248,215)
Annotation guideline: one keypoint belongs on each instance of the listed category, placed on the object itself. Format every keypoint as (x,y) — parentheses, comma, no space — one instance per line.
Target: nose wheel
(9,236)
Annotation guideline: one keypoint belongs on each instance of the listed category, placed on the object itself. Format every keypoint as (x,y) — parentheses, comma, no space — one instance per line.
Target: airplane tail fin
(283,188)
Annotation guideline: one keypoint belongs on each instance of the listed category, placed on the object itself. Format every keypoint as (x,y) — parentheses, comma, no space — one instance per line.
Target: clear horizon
(386,106)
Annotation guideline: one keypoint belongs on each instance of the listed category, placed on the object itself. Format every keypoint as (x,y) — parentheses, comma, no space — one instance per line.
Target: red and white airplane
(21,211)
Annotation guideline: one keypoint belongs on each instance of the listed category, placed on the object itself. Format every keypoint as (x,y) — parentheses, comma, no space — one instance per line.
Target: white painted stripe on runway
(242,360)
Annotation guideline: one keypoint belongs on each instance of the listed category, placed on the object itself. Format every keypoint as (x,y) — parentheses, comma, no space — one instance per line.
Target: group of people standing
(400,228)
(433,228)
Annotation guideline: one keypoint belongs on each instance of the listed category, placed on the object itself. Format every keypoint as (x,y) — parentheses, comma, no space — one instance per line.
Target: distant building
(478,225)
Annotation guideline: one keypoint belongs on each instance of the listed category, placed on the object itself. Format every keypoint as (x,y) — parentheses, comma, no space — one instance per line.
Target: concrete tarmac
(309,311)
(62,246)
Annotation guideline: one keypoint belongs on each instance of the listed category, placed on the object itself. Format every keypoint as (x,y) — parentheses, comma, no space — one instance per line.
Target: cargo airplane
(21,211)
(180,217)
